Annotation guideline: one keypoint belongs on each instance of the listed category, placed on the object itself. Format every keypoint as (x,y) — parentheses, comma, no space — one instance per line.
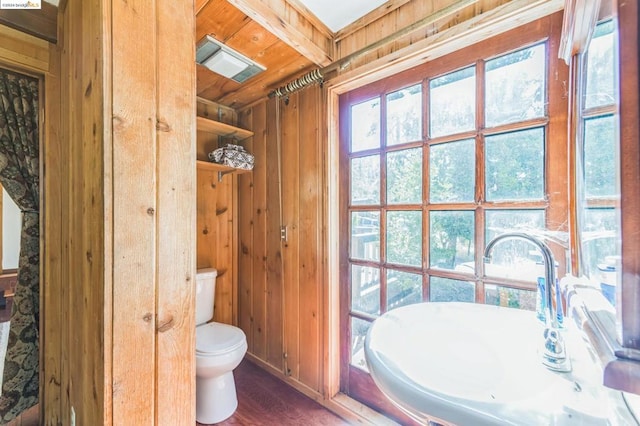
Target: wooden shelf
(220,168)
(222,129)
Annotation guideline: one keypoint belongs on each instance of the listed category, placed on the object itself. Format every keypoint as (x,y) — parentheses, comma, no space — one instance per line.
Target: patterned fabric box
(233,156)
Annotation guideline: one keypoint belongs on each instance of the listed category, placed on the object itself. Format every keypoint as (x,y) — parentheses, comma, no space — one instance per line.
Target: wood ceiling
(287,39)
(226,22)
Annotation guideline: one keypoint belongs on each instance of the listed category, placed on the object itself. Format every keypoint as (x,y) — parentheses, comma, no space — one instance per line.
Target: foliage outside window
(428,189)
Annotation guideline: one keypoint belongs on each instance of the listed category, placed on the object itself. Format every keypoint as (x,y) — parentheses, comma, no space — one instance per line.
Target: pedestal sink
(472,364)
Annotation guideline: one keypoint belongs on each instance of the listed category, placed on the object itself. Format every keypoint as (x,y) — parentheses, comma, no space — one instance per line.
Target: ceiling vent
(225,61)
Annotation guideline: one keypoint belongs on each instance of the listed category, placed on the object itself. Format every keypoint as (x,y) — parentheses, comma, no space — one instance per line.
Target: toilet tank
(205,293)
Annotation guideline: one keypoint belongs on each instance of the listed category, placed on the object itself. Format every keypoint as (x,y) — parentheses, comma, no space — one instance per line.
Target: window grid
(478,206)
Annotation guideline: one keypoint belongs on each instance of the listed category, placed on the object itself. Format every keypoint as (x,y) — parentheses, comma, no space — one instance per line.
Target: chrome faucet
(554,354)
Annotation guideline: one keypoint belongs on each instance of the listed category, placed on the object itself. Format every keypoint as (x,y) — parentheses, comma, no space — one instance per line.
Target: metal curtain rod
(318,74)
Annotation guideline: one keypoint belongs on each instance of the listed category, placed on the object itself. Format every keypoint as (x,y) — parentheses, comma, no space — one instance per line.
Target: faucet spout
(554,355)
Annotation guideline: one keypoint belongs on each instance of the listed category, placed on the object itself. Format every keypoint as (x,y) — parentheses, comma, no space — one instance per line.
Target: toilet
(219,349)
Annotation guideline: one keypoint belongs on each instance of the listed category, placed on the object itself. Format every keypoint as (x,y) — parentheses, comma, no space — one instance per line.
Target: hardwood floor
(263,400)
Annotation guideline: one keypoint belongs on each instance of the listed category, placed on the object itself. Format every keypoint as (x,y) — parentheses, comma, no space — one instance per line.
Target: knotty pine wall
(216,242)
(280,283)
(119,199)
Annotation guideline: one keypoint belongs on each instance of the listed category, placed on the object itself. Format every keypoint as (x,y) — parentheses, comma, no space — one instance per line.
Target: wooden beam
(23,50)
(41,23)
(281,27)
(370,17)
(496,21)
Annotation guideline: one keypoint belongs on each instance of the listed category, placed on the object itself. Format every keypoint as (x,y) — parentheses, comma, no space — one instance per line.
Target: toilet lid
(215,338)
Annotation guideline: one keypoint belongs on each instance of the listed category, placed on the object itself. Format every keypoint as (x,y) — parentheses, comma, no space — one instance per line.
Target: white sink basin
(473,364)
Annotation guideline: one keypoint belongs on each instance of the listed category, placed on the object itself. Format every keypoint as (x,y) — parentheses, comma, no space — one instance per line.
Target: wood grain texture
(275,16)
(274,263)
(53,208)
(225,22)
(134,211)
(23,50)
(175,219)
(245,238)
(290,199)
(310,226)
(258,243)
(282,303)
(215,216)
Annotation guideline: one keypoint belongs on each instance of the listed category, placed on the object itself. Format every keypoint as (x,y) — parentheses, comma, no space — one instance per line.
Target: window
(437,162)
(599,190)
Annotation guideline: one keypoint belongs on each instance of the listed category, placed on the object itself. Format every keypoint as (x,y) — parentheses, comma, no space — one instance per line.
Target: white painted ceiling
(337,14)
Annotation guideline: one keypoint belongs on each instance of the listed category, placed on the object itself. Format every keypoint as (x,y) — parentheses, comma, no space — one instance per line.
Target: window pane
(404,237)
(600,158)
(365,180)
(515,165)
(451,242)
(404,176)
(514,259)
(404,115)
(452,176)
(501,221)
(600,88)
(509,297)
(403,288)
(515,86)
(365,125)
(365,289)
(359,329)
(452,103)
(448,290)
(365,235)
(600,241)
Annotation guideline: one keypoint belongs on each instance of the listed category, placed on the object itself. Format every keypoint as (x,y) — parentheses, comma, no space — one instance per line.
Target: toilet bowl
(219,349)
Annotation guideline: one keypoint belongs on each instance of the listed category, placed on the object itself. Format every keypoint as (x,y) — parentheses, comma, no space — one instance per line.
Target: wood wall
(216,237)
(119,199)
(280,282)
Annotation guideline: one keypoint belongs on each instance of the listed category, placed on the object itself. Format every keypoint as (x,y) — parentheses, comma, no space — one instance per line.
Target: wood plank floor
(263,400)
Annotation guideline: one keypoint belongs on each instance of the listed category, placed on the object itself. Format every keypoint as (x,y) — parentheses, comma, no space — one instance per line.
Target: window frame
(615,338)
(546,29)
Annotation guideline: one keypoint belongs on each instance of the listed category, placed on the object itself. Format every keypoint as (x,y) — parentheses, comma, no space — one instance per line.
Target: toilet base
(216,398)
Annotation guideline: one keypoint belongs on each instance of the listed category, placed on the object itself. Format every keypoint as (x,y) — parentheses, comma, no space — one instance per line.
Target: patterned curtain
(19,175)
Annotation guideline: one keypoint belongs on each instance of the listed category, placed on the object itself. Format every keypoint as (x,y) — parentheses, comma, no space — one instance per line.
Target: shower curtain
(19,175)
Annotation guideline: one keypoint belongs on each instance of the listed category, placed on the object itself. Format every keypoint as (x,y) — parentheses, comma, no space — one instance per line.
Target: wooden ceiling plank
(280,27)
(220,20)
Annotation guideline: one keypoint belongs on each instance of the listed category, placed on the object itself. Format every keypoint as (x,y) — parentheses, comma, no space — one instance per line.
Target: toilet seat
(216,339)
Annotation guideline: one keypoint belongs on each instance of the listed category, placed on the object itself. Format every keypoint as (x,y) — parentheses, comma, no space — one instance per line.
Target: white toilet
(219,349)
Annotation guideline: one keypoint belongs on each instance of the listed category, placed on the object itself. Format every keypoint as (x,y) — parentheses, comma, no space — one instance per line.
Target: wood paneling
(176,198)
(120,182)
(215,237)
(53,206)
(22,50)
(281,281)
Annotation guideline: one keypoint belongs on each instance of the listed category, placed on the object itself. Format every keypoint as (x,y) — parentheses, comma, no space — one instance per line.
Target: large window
(598,142)
(438,161)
